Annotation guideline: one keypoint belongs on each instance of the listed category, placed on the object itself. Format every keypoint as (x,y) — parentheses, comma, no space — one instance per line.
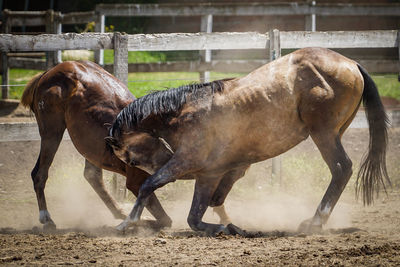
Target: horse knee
(344,169)
(342,173)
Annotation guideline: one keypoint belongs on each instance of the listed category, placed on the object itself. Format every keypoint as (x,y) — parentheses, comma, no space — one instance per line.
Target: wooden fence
(122,43)
(55,20)
(272,42)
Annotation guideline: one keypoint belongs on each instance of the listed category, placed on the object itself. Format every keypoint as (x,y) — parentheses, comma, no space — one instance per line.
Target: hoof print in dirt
(49,227)
(136,227)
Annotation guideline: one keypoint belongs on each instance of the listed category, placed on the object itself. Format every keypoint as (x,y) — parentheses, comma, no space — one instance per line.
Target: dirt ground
(355,235)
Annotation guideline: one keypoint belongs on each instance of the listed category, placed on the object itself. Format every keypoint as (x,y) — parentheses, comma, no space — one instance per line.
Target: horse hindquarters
(328,105)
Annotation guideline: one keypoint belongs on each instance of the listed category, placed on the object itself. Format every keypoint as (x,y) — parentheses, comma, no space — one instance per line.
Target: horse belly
(275,136)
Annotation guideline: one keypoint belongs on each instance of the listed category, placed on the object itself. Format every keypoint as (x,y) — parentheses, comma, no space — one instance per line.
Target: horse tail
(373,173)
(29,91)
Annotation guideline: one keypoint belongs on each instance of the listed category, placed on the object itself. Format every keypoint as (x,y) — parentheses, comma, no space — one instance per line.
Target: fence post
(58,30)
(99,27)
(121,72)
(53,22)
(311,20)
(205,55)
(275,53)
(6,28)
(398,47)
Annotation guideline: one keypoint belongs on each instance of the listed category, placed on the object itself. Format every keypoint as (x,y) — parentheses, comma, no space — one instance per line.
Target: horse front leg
(134,179)
(220,194)
(172,170)
(341,169)
(203,192)
(94,175)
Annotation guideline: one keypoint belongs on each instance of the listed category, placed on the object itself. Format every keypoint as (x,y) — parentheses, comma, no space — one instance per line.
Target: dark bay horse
(212,132)
(82,97)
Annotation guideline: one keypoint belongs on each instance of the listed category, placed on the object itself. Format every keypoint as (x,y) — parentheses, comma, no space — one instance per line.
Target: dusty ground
(269,210)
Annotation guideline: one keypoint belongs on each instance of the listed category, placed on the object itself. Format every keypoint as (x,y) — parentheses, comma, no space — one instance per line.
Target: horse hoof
(49,226)
(308,227)
(128,222)
(234,230)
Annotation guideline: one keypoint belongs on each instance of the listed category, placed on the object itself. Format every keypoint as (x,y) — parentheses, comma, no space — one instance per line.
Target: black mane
(163,102)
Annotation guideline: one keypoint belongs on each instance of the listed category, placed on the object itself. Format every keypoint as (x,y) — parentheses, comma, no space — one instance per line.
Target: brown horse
(82,97)
(212,132)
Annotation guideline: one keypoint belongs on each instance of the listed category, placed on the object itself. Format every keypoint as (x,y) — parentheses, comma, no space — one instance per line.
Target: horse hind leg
(94,176)
(340,167)
(48,148)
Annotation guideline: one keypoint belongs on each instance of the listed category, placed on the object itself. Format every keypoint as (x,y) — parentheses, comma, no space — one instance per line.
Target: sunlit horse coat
(212,132)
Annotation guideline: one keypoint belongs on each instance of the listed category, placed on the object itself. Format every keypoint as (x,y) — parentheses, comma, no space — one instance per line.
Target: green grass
(388,85)
(19,76)
(136,57)
(142,83)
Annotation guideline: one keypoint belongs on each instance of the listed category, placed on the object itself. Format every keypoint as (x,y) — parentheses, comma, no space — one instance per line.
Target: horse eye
(132,162)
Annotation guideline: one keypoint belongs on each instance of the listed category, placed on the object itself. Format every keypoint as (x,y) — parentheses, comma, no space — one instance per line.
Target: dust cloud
(253,203)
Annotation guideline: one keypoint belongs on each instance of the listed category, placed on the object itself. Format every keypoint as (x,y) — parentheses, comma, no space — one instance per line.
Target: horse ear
(111,141)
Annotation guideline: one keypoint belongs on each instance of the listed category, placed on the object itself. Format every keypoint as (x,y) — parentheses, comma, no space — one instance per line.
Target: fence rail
(54,21)
(193,41)
(247,9)
(28,131)
(200,41)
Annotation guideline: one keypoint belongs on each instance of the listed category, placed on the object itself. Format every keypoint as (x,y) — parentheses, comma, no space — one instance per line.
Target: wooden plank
(79,17)
(275,53)
(380,66)
(99,28)
(4,76)
(27,21)
(342,9)
(197,41)
(247,9)
(28,131)
(340,39)
(27,63)
(244,66)
(274,45)
(205,55)
(21,131)
(54,42)
(27,54)
(23,18)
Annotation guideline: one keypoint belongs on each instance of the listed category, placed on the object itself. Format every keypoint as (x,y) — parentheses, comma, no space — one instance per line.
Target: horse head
(140,149)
